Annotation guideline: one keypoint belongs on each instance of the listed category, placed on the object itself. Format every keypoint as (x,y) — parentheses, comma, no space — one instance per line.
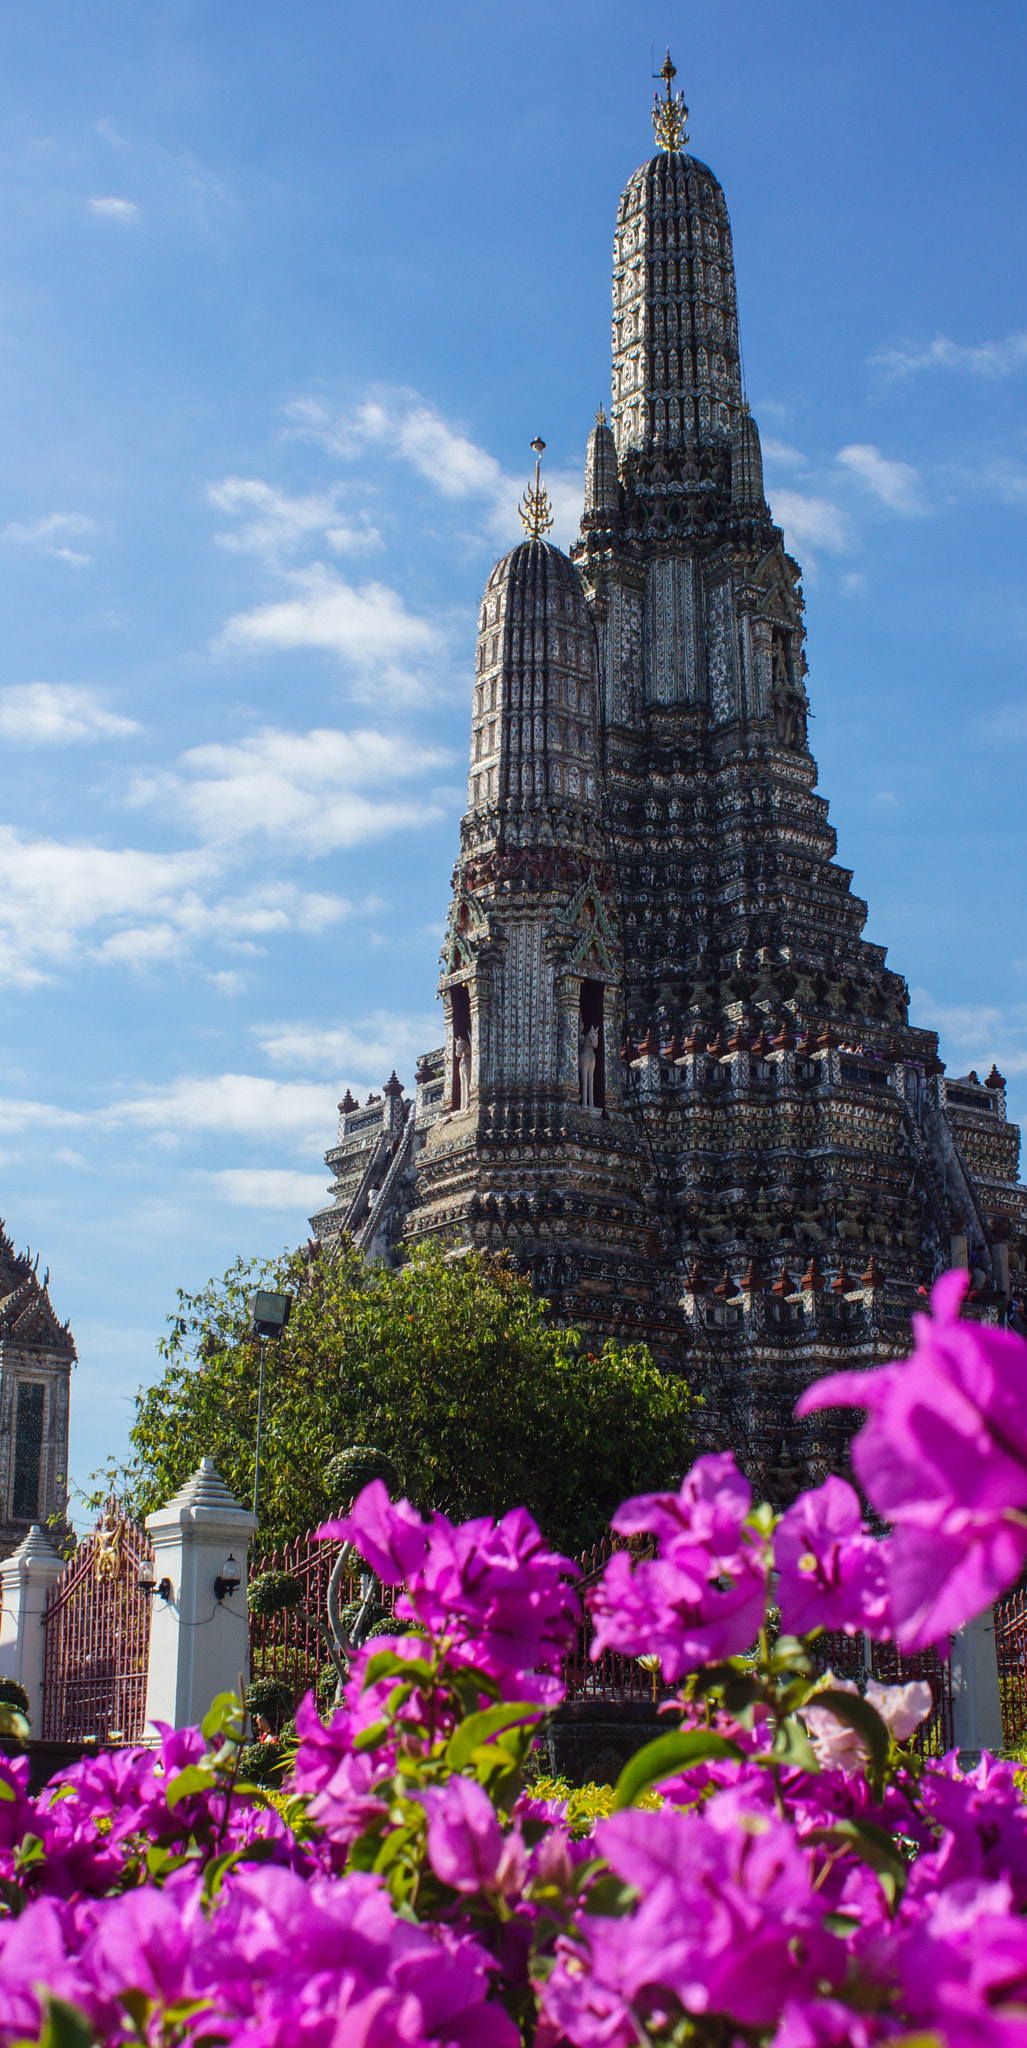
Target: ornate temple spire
(602,490)
(676,376)
(747,463)
(534,732)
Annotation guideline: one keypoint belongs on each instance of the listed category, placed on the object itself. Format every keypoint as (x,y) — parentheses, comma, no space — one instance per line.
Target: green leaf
(222,1716)
(875,1845)
(65,2026)
(714,1675)
(669,1753)
(369,1738)
(792,1747)
(386,1664)
(195,1778)
(486,1727)
(741,1693)
(858,1714)
(790,1654)
(610,1897)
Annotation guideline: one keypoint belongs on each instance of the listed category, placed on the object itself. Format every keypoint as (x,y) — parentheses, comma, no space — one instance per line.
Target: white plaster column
(199,1645)
(976,1701)
(26,1578)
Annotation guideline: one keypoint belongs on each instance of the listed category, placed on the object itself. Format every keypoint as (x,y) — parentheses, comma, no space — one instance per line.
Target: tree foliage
(448,1365)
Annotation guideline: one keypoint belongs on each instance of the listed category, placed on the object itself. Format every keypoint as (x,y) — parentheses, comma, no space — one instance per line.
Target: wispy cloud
(268,1187)
(365,1051)
(50,534)
(239,1105)
(897,484)
(275,523)
(58,712)
(314,791)
(60,900)
(368,628)
(975,1032)
(983,359)
(124,211)
(812,523)
(409,427)
(782,452)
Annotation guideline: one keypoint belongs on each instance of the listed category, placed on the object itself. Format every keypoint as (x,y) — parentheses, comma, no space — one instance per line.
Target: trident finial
(535,509)
(670,115)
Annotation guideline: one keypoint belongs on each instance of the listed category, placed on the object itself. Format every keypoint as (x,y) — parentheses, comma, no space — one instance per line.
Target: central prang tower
(678,1087)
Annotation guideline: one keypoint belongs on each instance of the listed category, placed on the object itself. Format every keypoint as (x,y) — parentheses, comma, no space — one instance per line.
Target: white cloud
(49,534)
(58,712)
(368,628)
(269,1187)
(307,789)
(276,522)
(366,1051)
(23,1115)
(979,1032)
(123,210)
(236,1105)
(780,451)
(986,359)
(124,905)
(811,523)
(897,484)
(408,426)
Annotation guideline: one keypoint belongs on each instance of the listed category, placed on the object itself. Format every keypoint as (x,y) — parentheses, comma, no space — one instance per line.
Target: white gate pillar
(26,1578)
(199,1642)
(976,1701)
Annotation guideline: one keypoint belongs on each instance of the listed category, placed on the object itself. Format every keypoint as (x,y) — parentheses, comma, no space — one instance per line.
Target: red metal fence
(285,1645)
(1011,1652)
(858,1658)
(96,1638)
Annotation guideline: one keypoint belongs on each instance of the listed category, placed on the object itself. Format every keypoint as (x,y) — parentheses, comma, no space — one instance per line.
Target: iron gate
(96,1638)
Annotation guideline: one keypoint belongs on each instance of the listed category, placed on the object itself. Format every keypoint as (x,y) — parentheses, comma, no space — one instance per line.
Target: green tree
(448,1365)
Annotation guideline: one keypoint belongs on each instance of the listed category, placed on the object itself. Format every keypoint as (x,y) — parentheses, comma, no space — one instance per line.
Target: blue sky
(285,293)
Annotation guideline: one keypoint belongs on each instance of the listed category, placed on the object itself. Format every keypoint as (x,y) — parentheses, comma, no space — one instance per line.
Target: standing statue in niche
(462,1049)
(588,1043)
(788,703)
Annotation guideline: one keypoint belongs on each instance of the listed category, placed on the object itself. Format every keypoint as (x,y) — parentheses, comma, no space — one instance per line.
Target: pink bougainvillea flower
(389,1535)
(493,1590)
(831,1572)
(498,1589)
(902,1707)
(676,1612)
(466,1845)
(726,1923)
(942,1456)
(704,1597)
(708,1511)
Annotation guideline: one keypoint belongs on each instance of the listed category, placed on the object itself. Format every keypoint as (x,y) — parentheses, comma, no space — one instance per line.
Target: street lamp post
(269,1314)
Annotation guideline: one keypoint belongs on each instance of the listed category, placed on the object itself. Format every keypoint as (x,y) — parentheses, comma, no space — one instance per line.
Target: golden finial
(535,509)
(671,114)
(601,416)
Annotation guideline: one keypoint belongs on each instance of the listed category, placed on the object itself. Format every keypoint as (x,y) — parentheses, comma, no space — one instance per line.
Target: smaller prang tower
(679,1087)
(36,1357)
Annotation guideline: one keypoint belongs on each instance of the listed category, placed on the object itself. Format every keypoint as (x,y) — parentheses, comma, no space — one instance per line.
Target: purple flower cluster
(943,1459)
(491,1590)
(805,1883)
